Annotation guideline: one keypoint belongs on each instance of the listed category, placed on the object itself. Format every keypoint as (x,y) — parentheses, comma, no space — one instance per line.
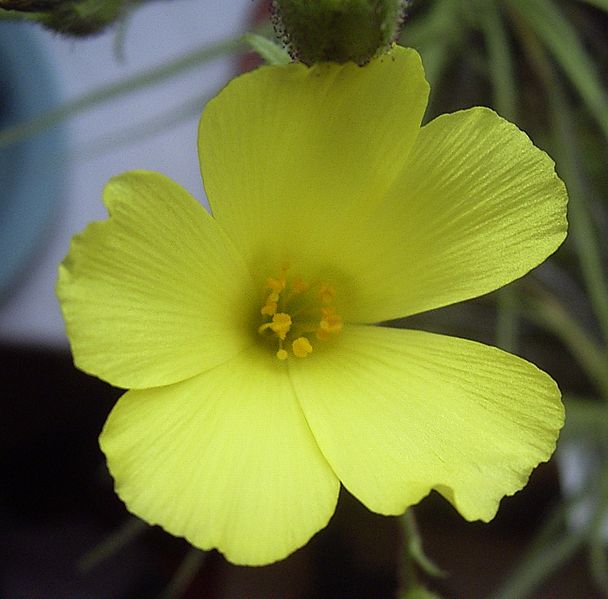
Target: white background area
(138,131)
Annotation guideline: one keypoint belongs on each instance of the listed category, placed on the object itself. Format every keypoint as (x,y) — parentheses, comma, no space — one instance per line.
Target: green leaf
(15,15)
(601,4)
(564,43)
(419,592)
(436,34)
(184,575)
(501,73)
(414,547)
(583,229)
(500,62)
(585,418)
(269,50)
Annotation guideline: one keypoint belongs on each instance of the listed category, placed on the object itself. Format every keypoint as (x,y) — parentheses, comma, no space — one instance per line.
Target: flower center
(295,312)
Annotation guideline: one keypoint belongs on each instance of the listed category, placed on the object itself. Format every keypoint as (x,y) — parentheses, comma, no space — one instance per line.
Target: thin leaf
(546,311)
(582,229)
(553,546)
(562,40)
(50,118)
(585,418)
(601,4)
(502,78)
(112,545)
(598,557)
(269,50)
(500,62)
(419,592)
(185,574)
(435,34)
(414,547)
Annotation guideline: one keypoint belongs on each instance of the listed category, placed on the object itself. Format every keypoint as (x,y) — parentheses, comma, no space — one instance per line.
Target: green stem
(46,120)
(586,418)
(598,551)
(504,99)
(16,15)
(547,311)
(185,574)
(117,540)
(413,556)
(408,576)
(523,583)
(546,554)
(142,130)
(598,556)
(500,61)
(507,319)
(582,230)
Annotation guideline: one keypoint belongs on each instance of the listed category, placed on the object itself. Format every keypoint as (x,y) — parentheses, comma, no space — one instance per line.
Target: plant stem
(185,574)
(46,120)
(546,554)
(547,311)
(413,556)
(504,99)
(114,543)
(582,230)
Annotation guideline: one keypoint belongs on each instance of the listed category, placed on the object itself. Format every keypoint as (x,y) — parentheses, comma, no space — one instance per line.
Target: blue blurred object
(31,173)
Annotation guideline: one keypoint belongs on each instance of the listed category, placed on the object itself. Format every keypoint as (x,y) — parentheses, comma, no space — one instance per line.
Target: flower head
(258,381)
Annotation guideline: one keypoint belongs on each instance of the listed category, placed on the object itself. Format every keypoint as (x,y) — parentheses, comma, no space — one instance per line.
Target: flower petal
(290,154)
(400,412)
(476,206)
(225,459)
(156,293)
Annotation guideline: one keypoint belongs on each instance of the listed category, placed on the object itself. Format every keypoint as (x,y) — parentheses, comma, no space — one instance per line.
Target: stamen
(309,313)
(326,293)
(301,347)
(269,308)
(299,286)
(276,285)
(280,324)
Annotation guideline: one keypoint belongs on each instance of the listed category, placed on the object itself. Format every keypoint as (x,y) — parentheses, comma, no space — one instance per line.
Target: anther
(326,293)
(280,324)
(301,347)
(311,312)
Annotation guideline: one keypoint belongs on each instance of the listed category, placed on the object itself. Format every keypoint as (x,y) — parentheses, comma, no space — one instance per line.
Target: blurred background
(76,110)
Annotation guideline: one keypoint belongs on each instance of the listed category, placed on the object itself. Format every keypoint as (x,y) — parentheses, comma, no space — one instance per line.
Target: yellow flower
(258,383)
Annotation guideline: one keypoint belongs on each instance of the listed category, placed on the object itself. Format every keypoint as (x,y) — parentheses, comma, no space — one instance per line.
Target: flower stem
(46,120)
(413,556)
(185,574)
(114,543)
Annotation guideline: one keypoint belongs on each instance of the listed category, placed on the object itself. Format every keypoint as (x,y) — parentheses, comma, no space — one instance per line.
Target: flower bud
(70,17)
(337,30)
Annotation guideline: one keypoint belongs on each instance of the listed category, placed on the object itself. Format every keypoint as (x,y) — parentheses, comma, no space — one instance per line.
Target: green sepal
(338,30)
(69,17)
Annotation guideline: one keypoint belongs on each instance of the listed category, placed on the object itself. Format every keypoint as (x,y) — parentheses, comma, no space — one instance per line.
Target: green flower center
(294,311)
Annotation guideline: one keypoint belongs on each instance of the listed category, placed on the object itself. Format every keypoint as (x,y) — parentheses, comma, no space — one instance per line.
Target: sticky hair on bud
(337,30)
